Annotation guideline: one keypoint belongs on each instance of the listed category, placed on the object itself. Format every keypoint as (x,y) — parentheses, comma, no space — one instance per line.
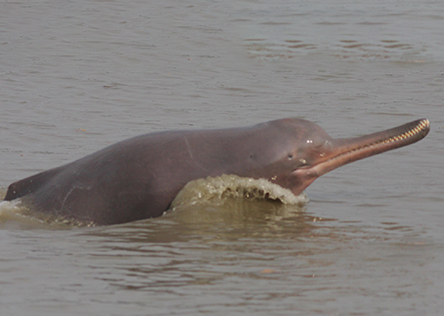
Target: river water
(76,76)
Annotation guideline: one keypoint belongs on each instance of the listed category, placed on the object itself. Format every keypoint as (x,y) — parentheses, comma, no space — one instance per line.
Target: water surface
(78,76)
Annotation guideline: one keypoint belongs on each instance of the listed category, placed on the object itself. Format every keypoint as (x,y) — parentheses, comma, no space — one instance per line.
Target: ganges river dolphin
(138,178)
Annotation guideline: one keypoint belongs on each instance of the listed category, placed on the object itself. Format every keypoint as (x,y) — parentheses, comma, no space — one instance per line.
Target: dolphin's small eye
(290,156)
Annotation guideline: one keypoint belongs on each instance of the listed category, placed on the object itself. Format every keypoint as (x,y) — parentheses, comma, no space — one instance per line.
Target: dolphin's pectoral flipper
(29,185)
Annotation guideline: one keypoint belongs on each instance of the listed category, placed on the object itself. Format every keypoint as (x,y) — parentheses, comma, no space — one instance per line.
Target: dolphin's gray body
(138,178)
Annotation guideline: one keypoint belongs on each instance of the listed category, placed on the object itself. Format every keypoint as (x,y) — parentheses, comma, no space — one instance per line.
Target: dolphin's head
(309,152)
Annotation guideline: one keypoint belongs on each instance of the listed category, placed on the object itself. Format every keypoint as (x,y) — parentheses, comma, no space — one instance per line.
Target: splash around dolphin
(138,178)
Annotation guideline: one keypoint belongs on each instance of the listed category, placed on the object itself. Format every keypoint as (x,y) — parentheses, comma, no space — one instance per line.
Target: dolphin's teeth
(421,126)
(410,133)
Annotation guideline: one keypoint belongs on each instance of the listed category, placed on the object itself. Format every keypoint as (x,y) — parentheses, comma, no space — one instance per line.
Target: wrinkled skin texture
(139,177)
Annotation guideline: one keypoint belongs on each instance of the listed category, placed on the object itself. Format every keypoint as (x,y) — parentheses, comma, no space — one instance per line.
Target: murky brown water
(77,76)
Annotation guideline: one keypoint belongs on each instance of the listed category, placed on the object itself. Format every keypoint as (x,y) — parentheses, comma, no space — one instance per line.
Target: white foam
(202,190)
